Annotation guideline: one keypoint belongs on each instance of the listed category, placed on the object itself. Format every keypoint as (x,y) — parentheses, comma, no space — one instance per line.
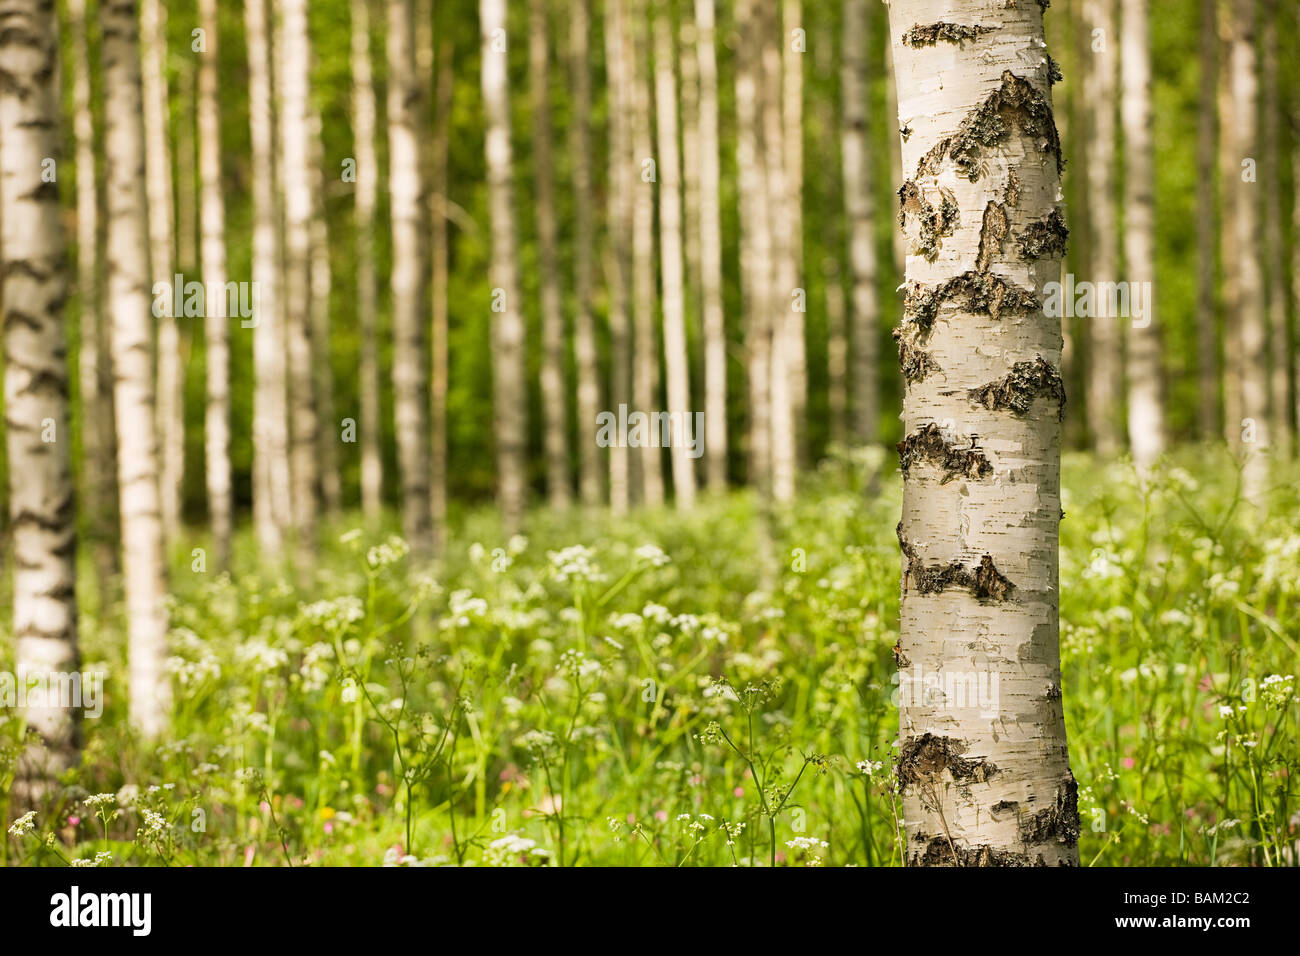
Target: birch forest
(766,433)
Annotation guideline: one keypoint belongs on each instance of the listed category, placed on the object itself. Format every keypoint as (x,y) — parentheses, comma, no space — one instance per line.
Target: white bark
(618,232)
(440,327)
(985,778)
(42,512)
(130,307)
(792,56)
(327,434)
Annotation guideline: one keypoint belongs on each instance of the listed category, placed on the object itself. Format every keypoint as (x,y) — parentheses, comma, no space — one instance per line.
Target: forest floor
(631,691)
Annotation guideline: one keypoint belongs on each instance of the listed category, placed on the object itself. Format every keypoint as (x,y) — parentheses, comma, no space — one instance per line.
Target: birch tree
(1207,341)
(555,430)
(42,512)
(322,280)
(713,315)
(1144,368)
(618,232)
(130,307)
(212,252)
(671,271)
(1271,245)
(441,327)
(981,454)
(793,45)
(407,204)
(509,392)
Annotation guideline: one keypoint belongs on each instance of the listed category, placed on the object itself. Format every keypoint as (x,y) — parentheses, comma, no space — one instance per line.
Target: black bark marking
(937,852)
(915,362)
(1017,391)
(993,231)
(980,292)
(936,223)
(1016,103)
(1044,238)
(932,33)
(923,760)
(928,443)
(1058,823)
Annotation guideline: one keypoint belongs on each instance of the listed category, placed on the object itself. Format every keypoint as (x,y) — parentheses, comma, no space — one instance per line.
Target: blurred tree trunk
(408,208)
(1229,179)
(271,496)
(42,509)
(130,307)
(440,327)
(755,243)
(981,457)
(783,351)
(618,230)
(859,206)
(555,419)
(584,330)
(644,167)
(714,318)
(213,268)
(187,166)
(1249,313)
(672,278)
(367,172)
(327,432)
(293,54)
(688,65)
(1272,246)
(510,393)
(158,180)
(837,352)
(794,43)
(98,487)
(1207,337)
(1104,389)
(1146,409)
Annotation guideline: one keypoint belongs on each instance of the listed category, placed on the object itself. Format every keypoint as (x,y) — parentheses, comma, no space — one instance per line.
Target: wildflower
(575,564)
(24,824)
(154,823)
(653,555)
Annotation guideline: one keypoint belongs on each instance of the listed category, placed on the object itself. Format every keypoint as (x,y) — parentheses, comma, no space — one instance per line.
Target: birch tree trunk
(271,495)
(555,430)
(793,44)
(983,767)
(408,206)
(363,132)
(42,511)
(98,491)
(1248,314)
(1146,408)
(618,231)
(213,265)
(1272,246)
(327,432)
(1207,339)
(859,206)
(714,318)
(643,173)
(441,325)
(1104,388)
(130,307)
(1229,179)
(158,188)
(293,53)
(671,274)
(590,486)
(509,392)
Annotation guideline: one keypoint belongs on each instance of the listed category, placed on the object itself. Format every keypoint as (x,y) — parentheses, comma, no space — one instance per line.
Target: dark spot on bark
(1003,807)
(1044,238)
(1054,74)
(924,759)
(1011,194)
(915,362)
(1014,104)
(981,292)
(937,852)
(993,231)
(1053,691)
(991,584)
(1059,822)
(935,222)
(928,443)
(1017,391)
(932,33)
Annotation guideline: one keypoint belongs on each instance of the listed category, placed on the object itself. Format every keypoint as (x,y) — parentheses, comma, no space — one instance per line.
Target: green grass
(568,699)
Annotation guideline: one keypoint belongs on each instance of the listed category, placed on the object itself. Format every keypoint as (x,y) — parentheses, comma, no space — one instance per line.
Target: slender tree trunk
(714,318)
(42,510)
(271,495)
(837,352)
(98,491)
(1272,246)
(1249,312)
(981,456)
(327,432)
(672,277)
(1104,389)
(293,53)
(187,165)
(618,230)
(367,172)
(130,304)
(1146,407)
(1229,181)
(794,43)
(859,206)
(158,187)
(408,205)
(509,391)
(688,65)
(213,266)
(590,485)
(643,174)
(555,419)
(1207,337)
(441,327)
